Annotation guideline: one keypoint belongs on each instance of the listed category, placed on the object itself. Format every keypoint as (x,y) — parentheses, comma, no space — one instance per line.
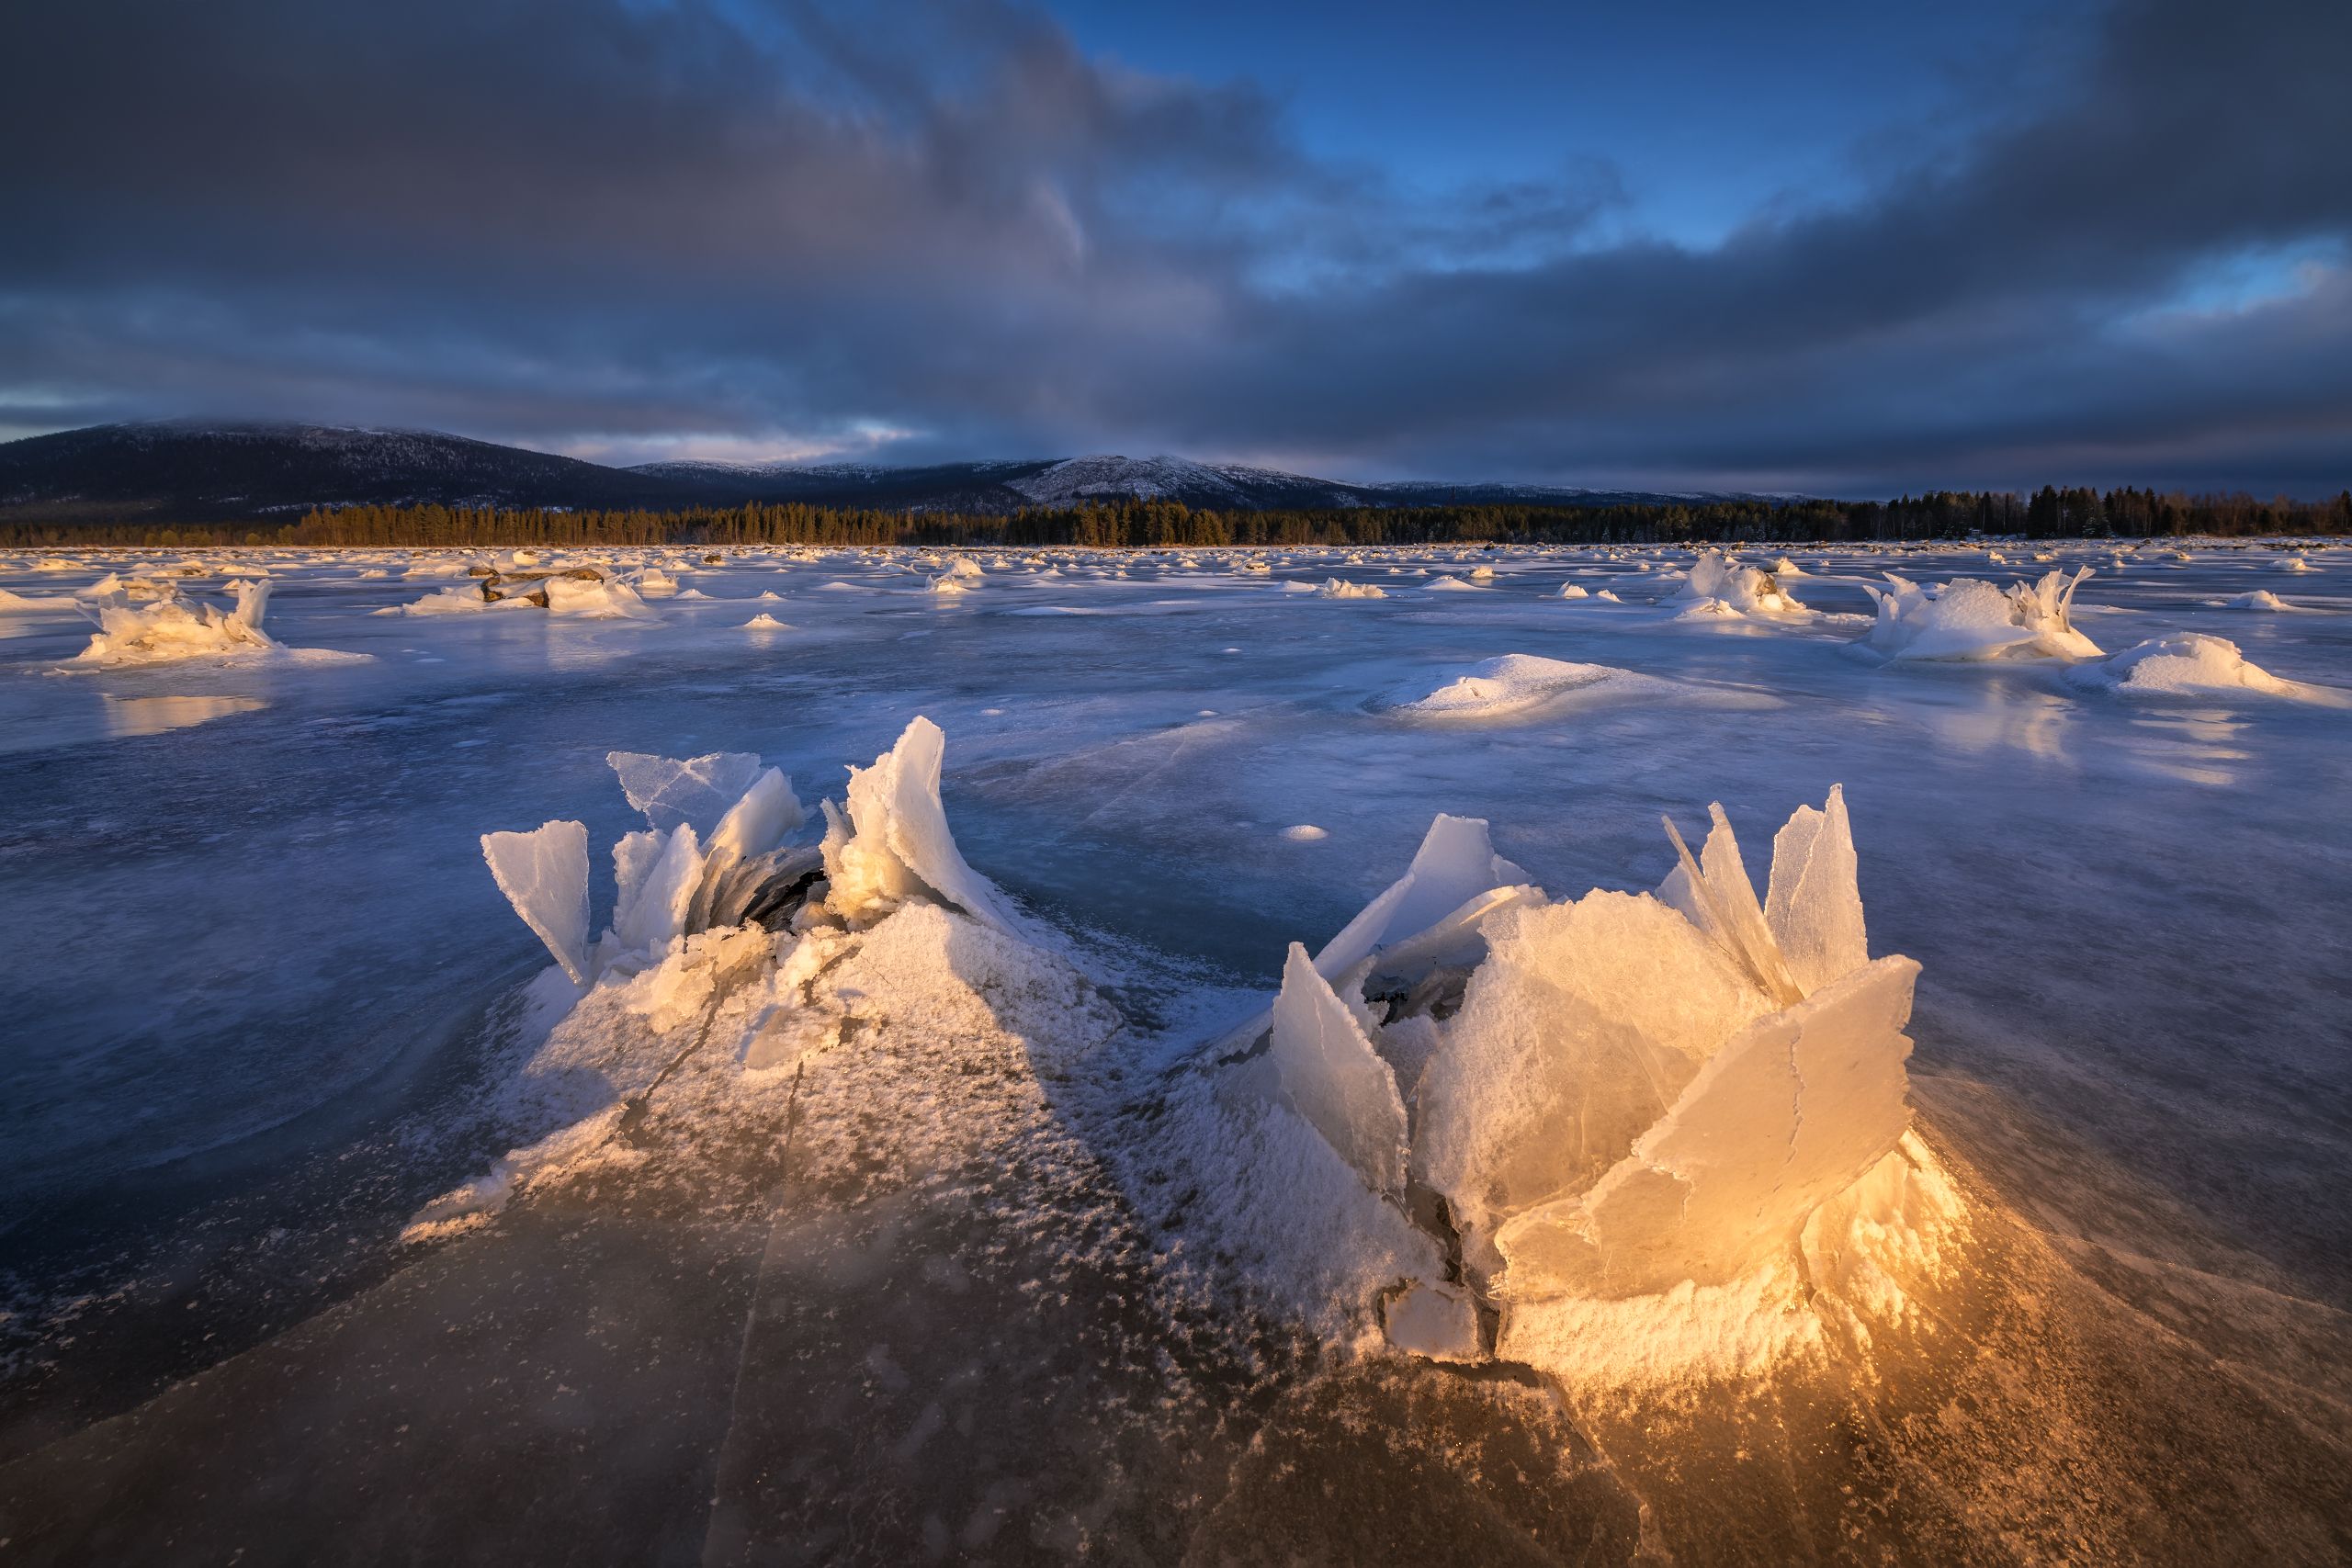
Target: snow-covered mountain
(185,471)
(1221,486)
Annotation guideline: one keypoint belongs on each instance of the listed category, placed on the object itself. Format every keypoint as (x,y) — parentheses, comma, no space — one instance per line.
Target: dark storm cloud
(561,219)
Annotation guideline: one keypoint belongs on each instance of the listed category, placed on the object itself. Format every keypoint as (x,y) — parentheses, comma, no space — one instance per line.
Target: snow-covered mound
(1340,588)
(596,601)
(1970,619)
(2259,599)
(1517,684)
(1716,578)
(2191,664)
(170,629)
(575,598)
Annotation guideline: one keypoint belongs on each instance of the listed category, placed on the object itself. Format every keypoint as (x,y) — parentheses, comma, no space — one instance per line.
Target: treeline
(2049,512)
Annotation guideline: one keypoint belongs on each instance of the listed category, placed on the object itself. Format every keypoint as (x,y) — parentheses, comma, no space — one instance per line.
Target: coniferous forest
(2049,512)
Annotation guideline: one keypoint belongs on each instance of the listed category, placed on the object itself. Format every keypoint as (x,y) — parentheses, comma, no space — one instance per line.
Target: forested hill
(180,473)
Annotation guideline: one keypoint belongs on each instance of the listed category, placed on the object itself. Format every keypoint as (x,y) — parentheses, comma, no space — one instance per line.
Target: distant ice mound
(1516,685)
(577,598)
(1720,586)
(169,629)
(596,601)
(2259,599)
(1340,588)
(1637,1124)
(1970,619)
(2191,664)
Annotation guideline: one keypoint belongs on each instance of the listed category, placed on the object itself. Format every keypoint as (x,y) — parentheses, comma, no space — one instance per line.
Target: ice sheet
(323,1052)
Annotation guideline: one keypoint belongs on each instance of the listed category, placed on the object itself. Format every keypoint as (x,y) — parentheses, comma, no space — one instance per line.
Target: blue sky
(1708,111)
(1828,247)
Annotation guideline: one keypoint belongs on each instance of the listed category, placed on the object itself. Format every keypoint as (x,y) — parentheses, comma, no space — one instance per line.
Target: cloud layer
(937,229)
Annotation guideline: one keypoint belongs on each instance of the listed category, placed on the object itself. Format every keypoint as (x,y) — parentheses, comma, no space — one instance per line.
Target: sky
(1816,246)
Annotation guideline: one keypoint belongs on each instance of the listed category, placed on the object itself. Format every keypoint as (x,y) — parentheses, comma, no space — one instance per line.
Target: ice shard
(696,789)
(544,873)
(896,840)
(1575,1035)
(1791,1113)
(1815,904)
(1455,863)
(654,909)
(253,601)
(1331,1075)
(2045,607)
(1714,892)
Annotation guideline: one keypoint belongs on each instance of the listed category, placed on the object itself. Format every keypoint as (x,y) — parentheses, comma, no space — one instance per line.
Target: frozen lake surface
(261,1001)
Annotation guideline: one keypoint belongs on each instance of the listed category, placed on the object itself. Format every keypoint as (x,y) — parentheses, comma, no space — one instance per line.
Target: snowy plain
(266,1006)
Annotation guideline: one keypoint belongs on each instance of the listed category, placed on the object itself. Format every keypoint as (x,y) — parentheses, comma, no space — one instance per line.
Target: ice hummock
(2192,664)
(168,627)
(715,843)
(1970,619)
(580,599)
(2255,599)
(718,851)
(1517,683)
(1732,588)
(719,912)
(1609,1096)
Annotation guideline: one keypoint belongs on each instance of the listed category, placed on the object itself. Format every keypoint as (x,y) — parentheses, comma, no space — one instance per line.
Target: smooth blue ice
(253,959)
